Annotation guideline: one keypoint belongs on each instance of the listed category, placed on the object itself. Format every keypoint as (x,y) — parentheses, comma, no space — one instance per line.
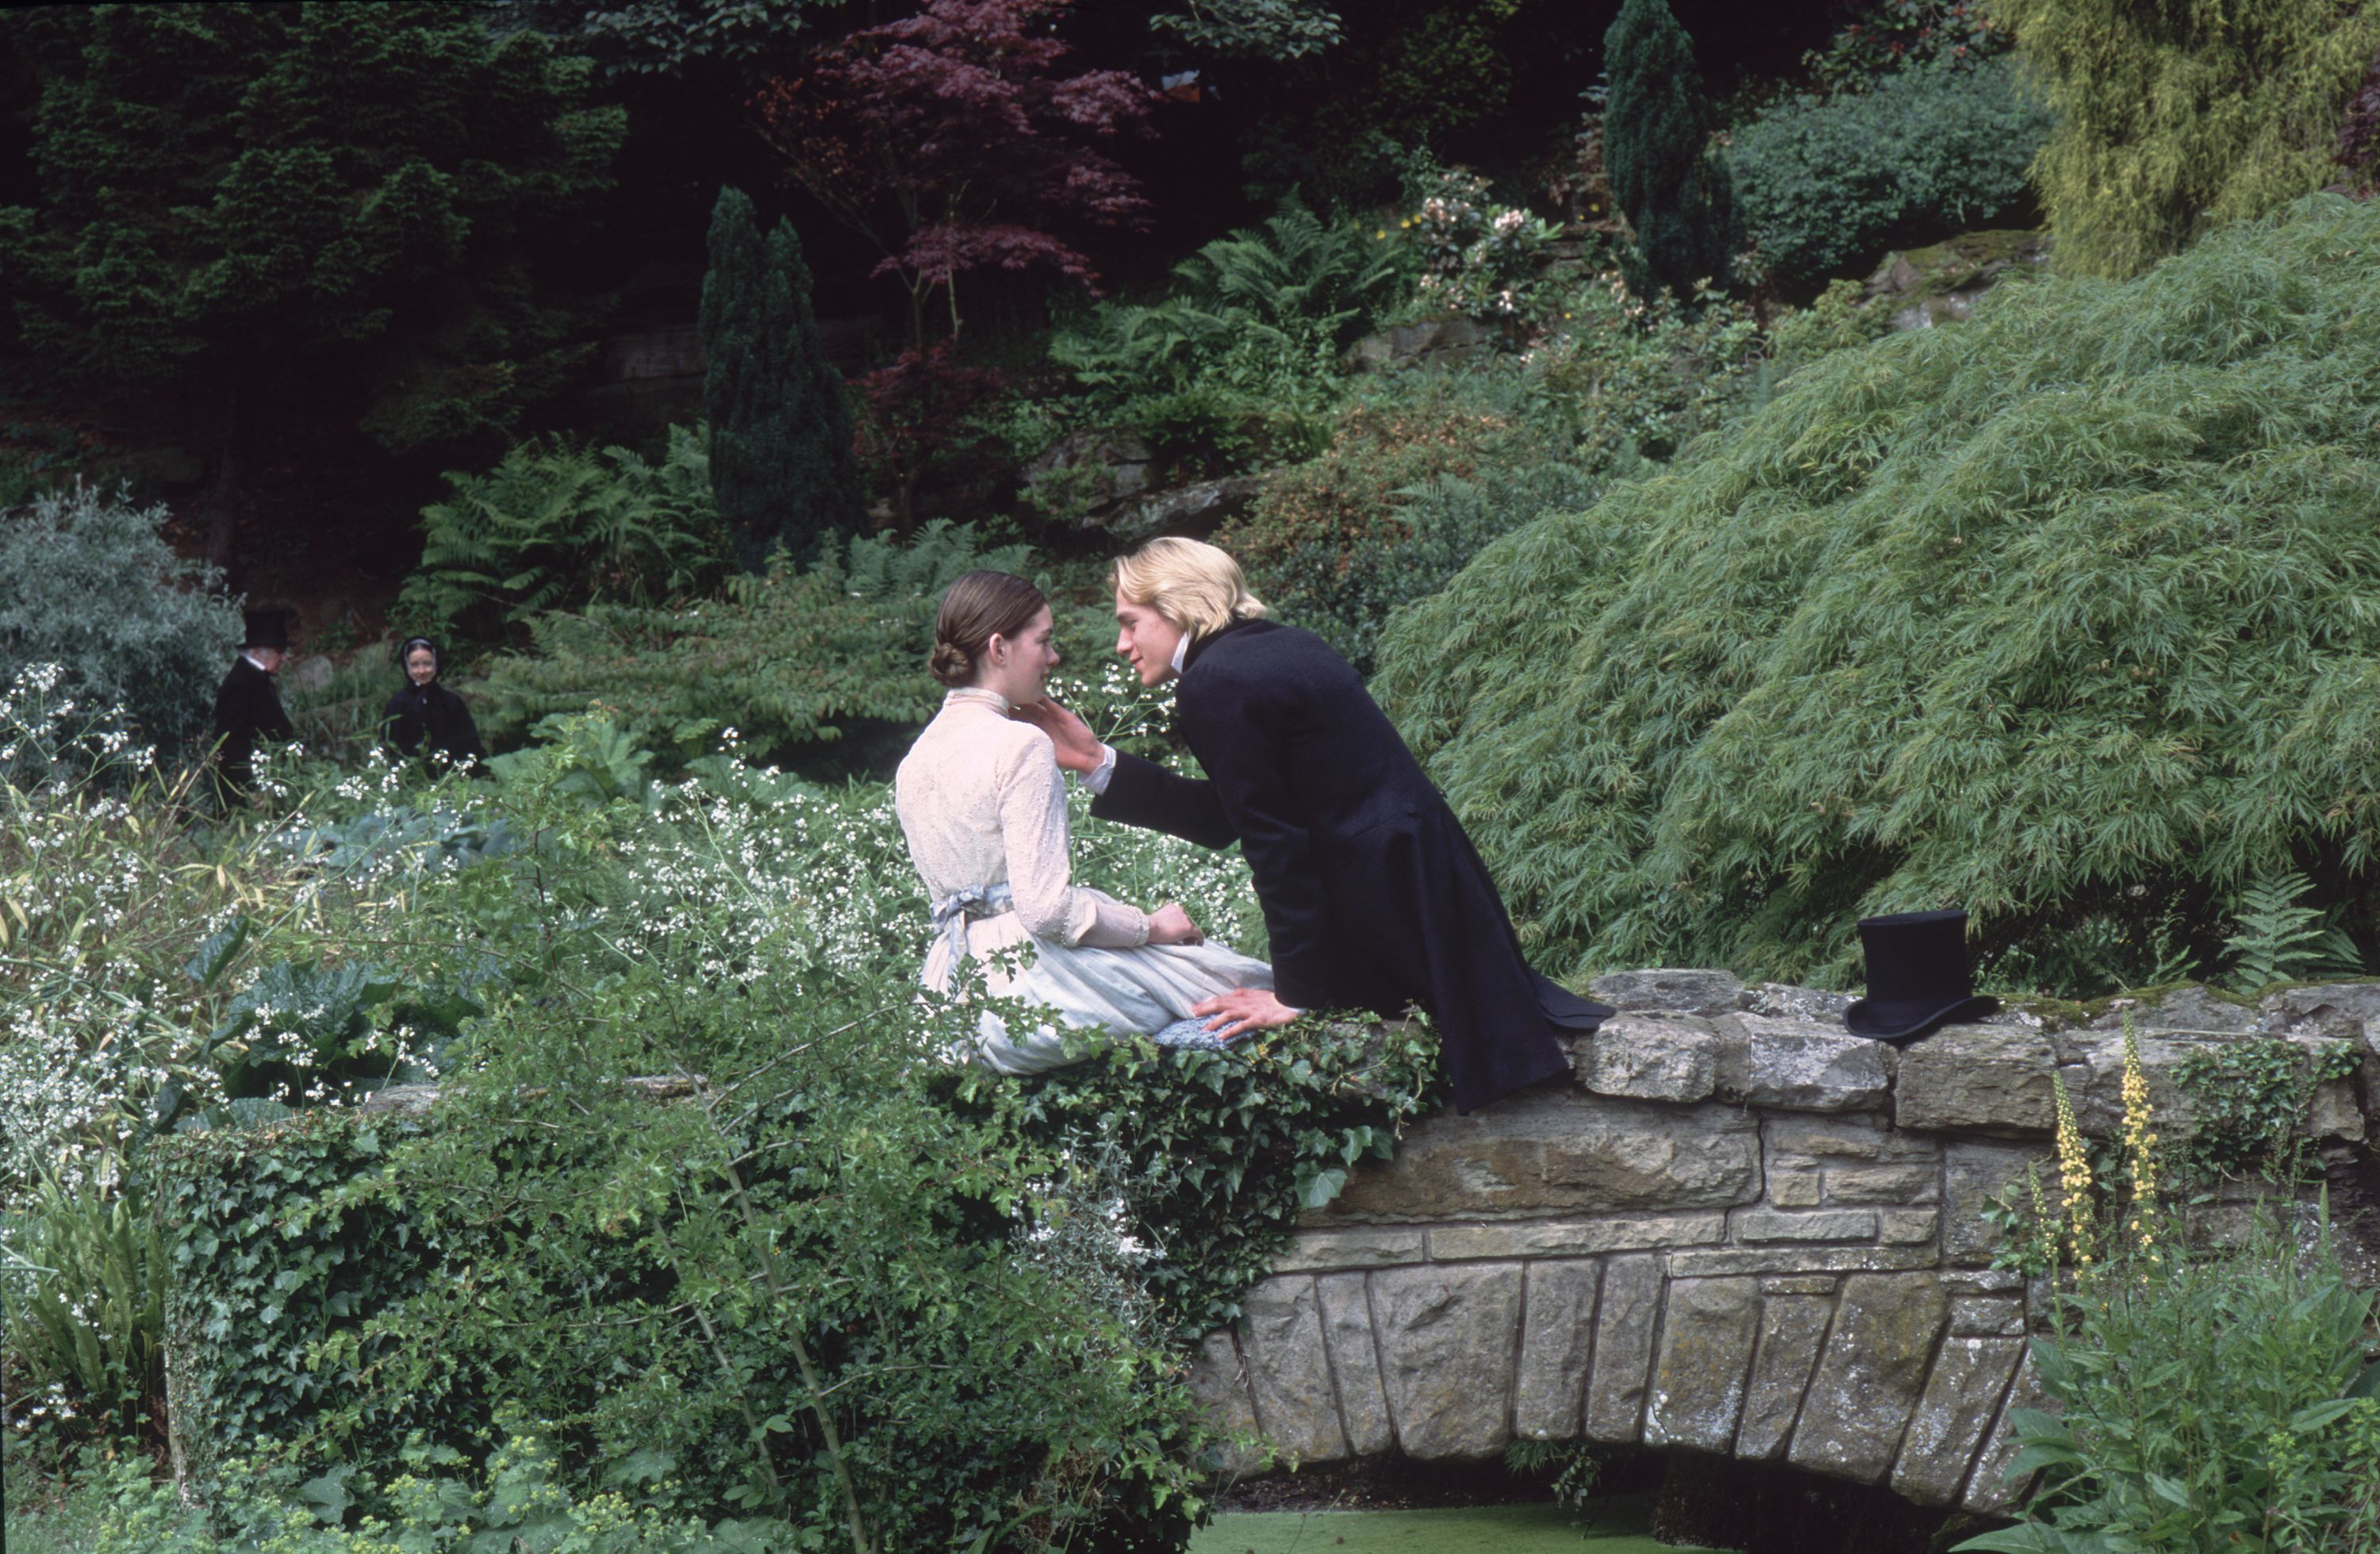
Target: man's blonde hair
(1193,585)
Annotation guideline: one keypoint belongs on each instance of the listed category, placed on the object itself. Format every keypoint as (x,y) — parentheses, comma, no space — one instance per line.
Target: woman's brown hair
(978,607)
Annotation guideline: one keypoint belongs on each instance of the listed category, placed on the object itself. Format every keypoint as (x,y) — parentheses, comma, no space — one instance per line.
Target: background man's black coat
(1373,895)
(248,708)
(433,715)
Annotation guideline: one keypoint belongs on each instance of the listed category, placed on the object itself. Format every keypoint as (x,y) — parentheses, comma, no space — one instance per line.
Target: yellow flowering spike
(2140,1141)
(2074,1175)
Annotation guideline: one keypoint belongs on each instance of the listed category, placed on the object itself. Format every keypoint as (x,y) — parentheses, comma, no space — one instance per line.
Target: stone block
(1557,1341)
(1800,1284)
(1649,1057)
(1357,1246)
(1906,1227)
(1448,1338)
(1986,1317)
(1782,1001)
(1625,1321)
(1974,1172)
(1983,1282)
(1549,1151)
(1794,1257)
(1573,1238)
(1992,1078)
(1707,1331)
(1355,1363)
(1806,1142)
(1870,1378)
(1899,1185)
(2190,1009)
(2333,1113)
(1219,1384)
(1962,1396)
(1988,1492)
(1796,1189)
(1803,1066)
(2340,1008)
(2098,1088)
(1289,1370)
(1677,991)
(1793,1326)
(1755,1225)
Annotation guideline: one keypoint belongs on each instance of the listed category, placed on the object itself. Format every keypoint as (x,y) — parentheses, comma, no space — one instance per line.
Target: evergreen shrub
(781,428)
(2175,119)
(788,659)
(553,526)
(89,583)
(2069,614)
(1657,127)
(1828,186)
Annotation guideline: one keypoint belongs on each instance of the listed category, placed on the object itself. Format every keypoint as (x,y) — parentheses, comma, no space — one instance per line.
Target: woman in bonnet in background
(983,805)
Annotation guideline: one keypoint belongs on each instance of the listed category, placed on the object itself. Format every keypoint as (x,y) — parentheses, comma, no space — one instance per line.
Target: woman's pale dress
(983,805)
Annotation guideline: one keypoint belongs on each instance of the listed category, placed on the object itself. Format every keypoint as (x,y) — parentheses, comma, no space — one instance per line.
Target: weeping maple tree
(950,141)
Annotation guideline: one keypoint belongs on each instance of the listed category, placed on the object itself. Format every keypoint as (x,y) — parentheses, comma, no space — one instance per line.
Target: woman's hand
(1078,746)
(1244,1010)
(1170,924)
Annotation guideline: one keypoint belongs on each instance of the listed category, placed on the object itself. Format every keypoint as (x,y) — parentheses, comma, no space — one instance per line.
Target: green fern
(2281,940)
(553,526)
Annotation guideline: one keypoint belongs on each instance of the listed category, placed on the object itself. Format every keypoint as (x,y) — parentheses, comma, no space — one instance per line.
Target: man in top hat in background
(248,708)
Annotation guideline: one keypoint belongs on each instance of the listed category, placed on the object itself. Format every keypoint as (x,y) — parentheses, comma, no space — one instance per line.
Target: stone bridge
(1741,1231)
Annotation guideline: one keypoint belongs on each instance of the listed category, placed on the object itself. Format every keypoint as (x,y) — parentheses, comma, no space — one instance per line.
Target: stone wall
(1741,1231)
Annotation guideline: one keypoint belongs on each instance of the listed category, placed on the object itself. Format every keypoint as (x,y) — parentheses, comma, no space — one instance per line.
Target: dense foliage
(2175,119)
(787,659)
(313,184)
(1245,342)
(553,526)
(1656,127)
(90,586)
(2064,616)
(1890,36)
(781,430)
(2205,1402)
(1827,185)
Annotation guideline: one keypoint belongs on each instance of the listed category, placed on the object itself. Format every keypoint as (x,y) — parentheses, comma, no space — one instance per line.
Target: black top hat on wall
(266,628)
(1917,975)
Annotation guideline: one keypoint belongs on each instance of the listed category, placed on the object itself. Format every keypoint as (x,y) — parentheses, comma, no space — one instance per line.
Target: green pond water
(1620,1528)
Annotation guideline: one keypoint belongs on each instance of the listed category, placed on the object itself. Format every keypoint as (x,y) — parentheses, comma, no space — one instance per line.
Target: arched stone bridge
(1741,1231)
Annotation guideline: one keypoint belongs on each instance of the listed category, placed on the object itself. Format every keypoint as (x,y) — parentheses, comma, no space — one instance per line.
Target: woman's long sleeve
(1033,822)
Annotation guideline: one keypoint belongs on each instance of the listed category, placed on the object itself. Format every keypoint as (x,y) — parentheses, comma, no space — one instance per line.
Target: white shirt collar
(975,696)
(1181,651)
(252,658)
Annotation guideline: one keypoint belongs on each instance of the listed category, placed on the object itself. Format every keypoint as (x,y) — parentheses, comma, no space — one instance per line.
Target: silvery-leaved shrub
(87,583)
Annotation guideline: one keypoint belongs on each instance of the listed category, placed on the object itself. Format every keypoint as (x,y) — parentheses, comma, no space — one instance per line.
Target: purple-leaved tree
(950,139)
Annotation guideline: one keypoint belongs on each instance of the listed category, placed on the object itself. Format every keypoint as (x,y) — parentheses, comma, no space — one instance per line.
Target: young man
(1373,895)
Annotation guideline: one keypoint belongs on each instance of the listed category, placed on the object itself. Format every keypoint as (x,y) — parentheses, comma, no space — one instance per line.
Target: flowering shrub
(1478,258)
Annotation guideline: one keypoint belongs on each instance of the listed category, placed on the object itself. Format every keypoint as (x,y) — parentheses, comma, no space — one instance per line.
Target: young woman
(983,805)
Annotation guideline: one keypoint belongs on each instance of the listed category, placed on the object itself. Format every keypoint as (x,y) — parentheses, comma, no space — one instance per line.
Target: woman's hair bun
(951,663)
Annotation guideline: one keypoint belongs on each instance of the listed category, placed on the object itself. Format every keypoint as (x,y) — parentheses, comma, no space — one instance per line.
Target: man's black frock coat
(1373,895)
(248,708)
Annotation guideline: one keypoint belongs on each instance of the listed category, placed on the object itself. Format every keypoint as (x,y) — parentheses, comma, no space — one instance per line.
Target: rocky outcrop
(1741,1231)
(1925,287)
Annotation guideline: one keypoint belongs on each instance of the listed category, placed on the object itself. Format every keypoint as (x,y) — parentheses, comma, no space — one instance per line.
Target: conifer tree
(2177,117)
(1657,130)
(781,465)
